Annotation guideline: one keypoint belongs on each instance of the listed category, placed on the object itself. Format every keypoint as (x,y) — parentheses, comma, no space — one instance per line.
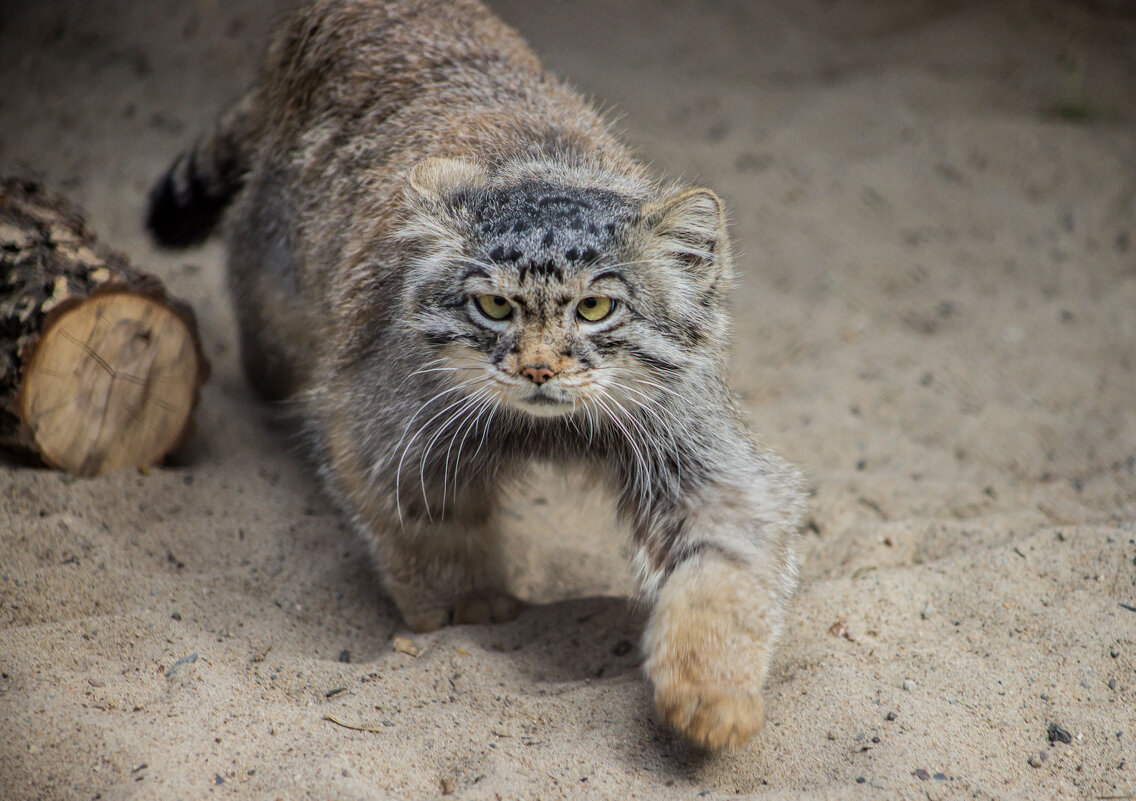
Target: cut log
(99,367)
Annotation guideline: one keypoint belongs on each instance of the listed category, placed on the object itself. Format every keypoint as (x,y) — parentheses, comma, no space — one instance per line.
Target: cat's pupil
(591,303)
(499,301)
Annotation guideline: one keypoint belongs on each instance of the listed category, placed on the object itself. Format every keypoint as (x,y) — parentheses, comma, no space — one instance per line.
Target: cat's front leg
(720,580)
(439,564)
(439,573)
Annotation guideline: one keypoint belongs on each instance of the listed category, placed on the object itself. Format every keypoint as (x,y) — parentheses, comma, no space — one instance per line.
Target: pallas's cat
(444,255)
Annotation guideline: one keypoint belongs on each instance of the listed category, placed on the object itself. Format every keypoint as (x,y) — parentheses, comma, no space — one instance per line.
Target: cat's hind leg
(277,329)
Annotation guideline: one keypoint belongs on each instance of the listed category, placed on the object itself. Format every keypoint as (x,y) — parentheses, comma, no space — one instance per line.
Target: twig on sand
(353,726)
(185,660)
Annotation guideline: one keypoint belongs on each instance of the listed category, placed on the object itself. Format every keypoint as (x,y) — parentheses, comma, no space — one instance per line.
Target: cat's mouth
(540,399)
(551,399)
(544,401)
(541,403)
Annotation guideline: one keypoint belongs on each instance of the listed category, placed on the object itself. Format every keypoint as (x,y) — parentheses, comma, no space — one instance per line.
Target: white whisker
(406,449)
(496,405)
(650,405)
(641,476)
(468,402)
(474,416)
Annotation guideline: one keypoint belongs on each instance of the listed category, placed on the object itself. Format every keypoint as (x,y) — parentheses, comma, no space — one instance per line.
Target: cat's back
(354,93)
(389,67)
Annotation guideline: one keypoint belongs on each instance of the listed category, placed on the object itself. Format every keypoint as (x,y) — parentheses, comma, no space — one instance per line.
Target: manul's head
(555,297)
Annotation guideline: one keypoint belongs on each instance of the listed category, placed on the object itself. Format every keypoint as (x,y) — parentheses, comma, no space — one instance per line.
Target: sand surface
(935,209)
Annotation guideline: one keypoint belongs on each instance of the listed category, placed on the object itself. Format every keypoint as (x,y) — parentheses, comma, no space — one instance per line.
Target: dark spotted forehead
(548,229)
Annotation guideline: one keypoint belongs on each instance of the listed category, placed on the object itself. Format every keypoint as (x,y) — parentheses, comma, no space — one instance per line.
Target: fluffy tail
(188,201)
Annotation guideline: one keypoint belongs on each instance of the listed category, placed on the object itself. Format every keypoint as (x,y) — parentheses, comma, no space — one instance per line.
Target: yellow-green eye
(594,308)
(494,307)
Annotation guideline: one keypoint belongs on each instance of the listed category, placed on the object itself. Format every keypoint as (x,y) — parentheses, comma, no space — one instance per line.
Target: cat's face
(546,344)
(553,300)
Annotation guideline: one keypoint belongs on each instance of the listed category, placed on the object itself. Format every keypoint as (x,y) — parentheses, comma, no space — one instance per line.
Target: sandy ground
(935,205)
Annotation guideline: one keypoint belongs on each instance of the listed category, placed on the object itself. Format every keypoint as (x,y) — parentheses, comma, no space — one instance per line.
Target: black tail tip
(178,219)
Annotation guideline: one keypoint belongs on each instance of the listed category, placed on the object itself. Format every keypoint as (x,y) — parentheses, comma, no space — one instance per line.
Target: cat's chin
(539,405)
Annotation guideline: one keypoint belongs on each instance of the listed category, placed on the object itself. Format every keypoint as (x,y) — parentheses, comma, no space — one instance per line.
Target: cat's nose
(538,373)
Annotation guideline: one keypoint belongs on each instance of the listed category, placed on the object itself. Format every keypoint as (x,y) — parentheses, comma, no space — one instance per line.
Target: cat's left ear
(690,227)
(436,179)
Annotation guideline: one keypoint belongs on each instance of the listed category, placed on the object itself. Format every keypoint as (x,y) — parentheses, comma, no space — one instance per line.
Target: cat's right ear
(434,180)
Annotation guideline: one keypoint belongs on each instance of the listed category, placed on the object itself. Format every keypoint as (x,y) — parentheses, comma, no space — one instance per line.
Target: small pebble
(941,777)
(860,780)
(890,716)
(928,611)
(448,786)
(1055,733)
(1034,761)
(908,685)
(1112,684)
(405,646)
(344,655)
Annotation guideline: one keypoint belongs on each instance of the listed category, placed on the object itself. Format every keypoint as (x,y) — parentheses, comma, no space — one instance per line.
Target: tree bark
(99,367)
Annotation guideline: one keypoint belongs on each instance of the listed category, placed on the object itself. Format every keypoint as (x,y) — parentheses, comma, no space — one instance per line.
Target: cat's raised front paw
(707,645)
(711,717)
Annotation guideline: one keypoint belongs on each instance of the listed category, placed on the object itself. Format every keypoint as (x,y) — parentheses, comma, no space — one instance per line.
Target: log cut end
(99,367)
(111,383)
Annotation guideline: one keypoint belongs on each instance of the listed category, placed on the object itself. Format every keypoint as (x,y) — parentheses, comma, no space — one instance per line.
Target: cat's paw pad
(711,717)
(488,606)
(483,606)
(424,620)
